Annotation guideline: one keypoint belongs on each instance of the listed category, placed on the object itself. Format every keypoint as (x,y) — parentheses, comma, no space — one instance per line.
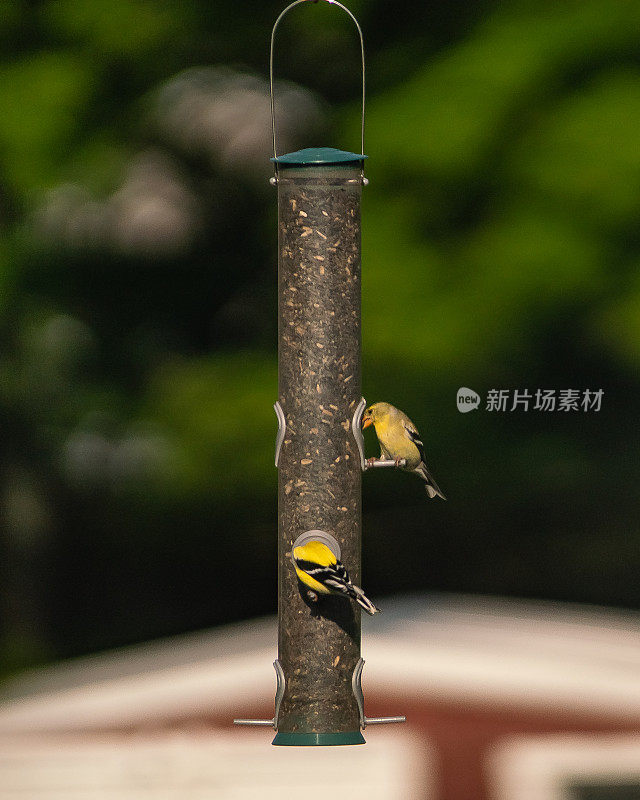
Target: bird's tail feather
(360,597)
(430,485)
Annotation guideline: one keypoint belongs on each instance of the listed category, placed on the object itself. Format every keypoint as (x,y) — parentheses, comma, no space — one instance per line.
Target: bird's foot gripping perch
(381,462)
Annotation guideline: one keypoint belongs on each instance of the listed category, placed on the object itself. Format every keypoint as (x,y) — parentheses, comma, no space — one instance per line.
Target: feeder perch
(319,447)
(357,432)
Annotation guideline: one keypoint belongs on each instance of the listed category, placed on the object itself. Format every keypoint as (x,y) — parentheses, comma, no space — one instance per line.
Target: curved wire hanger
(273,34)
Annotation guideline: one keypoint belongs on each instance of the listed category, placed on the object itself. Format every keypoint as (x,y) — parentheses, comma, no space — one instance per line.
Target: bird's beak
(366,421)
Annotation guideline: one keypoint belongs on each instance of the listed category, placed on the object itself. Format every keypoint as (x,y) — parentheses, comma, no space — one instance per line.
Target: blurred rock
(86,457)
(25,509)
(153,214)
(225,115)
(91,458)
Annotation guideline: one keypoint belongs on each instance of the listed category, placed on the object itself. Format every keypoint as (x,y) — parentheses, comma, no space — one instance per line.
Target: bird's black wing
(333,575)
(415,438)
(339,578)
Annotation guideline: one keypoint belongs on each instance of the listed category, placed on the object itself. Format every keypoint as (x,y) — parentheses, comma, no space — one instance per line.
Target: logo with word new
(537,400)
(467,400)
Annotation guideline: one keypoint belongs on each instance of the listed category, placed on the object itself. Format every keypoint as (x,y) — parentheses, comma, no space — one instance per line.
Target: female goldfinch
(399,439)
(321,572)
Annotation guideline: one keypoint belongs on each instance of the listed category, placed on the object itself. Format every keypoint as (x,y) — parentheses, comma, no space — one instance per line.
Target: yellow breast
(395,441)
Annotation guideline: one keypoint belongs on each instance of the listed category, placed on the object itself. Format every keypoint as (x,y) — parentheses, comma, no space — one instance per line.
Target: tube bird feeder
(319,449)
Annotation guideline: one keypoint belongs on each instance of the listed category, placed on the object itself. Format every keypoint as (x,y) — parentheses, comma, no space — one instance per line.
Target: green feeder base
(312,739)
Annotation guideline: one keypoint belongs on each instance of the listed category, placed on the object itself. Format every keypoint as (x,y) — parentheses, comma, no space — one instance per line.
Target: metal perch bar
(269,723)
(356,685)
(369,465)
(257,723)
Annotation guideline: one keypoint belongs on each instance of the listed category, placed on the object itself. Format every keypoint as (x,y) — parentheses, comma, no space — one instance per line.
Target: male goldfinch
(399,439)
(321,572)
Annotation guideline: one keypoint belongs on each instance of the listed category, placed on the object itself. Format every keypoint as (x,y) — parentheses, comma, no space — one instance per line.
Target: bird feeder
(319,448)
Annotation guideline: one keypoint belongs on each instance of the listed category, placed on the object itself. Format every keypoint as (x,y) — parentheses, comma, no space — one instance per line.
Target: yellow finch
(399,439)
(321,572)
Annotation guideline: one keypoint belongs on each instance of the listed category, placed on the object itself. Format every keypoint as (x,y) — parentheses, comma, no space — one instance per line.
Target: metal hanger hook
(273,34)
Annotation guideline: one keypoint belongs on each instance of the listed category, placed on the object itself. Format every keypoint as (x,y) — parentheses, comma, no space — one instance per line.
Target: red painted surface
(461,734)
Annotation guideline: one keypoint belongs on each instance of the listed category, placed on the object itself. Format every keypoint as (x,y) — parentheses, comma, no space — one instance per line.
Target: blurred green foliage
(138,313)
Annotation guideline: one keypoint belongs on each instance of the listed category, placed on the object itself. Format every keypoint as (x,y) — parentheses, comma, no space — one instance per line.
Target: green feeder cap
(318,156)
